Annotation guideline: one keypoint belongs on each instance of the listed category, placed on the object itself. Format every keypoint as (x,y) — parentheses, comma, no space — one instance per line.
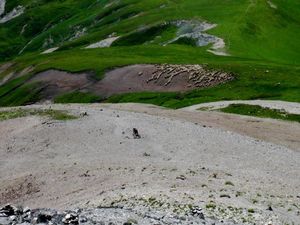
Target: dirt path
(290,107)
(95,160)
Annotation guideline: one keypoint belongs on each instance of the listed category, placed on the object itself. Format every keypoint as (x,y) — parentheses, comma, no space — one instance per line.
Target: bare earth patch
(160,78)
(17,189)
(130,79)
(58,82)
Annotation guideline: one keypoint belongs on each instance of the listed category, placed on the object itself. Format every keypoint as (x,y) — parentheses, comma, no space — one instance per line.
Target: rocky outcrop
(196,30)
(17,11)
(17,215)
(50,50)
(104,43)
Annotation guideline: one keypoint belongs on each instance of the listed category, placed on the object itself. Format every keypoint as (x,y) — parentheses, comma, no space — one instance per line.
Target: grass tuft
(229,183)
(54,114)
(77,97)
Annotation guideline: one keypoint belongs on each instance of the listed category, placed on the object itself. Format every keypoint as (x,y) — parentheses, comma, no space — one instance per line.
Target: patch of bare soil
(134,78)
(18,189)
(57,82)
(161,78)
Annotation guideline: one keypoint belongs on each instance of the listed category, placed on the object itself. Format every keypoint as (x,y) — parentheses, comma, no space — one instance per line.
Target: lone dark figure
(136,134)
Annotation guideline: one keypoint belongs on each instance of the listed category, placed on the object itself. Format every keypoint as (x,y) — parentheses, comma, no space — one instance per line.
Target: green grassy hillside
(261,36)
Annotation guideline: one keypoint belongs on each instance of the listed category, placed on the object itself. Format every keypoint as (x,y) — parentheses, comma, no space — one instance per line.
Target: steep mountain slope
(257,40)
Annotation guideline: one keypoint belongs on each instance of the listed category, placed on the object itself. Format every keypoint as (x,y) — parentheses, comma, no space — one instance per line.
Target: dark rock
(84,114)
(8,210)
(270,208)
(181,177)
(86,174)
(27,217)
(136,134)
(26,210)
(197,211)
(83,219)
(43,218)
(225,196)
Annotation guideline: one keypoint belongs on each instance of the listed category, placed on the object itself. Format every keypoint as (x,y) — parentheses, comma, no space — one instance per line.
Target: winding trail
(290,107)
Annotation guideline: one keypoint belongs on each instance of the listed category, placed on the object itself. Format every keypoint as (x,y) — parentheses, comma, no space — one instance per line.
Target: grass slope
(77,97)
(264,44)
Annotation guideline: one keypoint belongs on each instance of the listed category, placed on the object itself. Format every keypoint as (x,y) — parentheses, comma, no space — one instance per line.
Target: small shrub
(251,211)
(211,206)
(229,183)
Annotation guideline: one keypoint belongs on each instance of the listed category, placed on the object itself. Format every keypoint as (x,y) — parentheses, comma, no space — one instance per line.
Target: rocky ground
(131,163)
(102,215)
(196,30)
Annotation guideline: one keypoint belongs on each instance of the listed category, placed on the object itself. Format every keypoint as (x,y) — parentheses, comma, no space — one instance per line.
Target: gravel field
(182,160)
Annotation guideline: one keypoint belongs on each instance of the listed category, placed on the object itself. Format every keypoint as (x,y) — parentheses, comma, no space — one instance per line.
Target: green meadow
(263,43)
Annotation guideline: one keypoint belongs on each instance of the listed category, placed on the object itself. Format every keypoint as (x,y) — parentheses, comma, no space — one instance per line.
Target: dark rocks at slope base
(197,211)
(8,210)
(11,215)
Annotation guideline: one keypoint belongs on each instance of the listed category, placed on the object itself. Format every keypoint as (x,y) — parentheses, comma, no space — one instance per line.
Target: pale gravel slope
(275,131)
(54,158)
